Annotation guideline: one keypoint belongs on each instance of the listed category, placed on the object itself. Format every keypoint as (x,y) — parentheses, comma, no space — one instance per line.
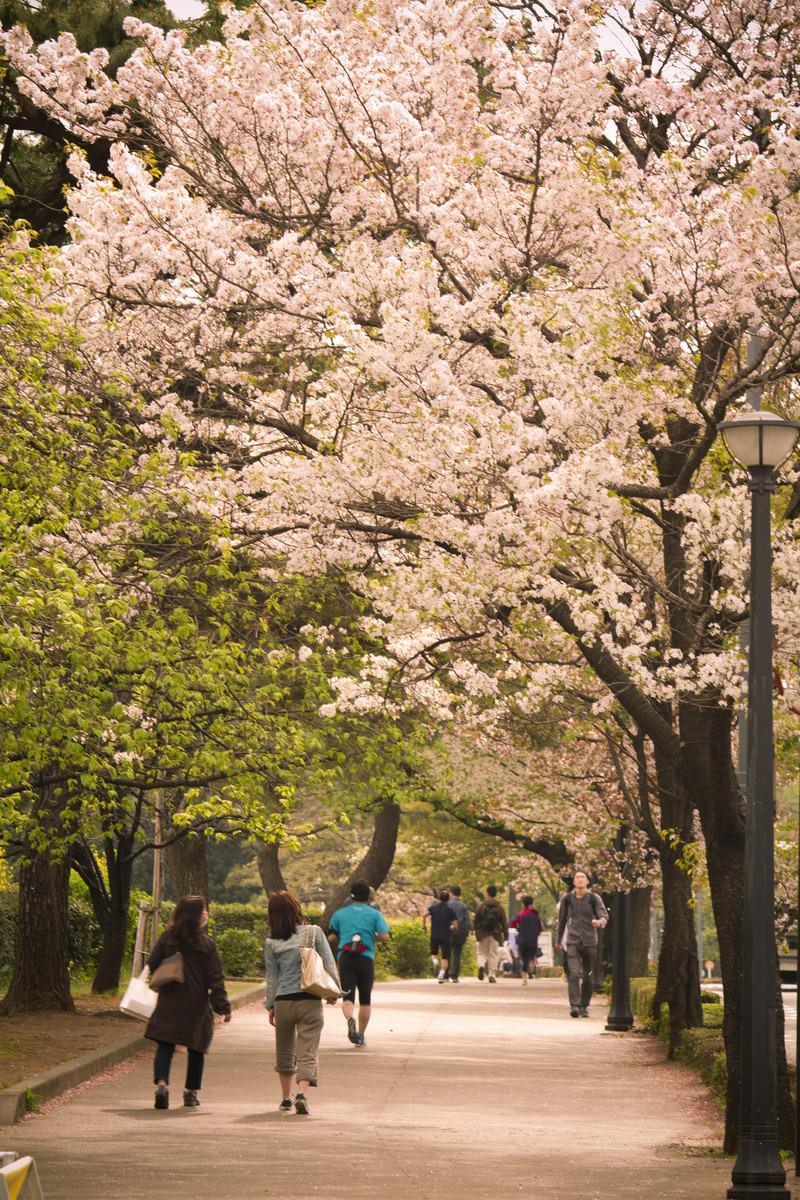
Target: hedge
(703,1048)
(84,933)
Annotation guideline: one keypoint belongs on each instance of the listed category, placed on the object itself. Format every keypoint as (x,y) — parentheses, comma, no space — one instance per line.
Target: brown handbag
(169,971)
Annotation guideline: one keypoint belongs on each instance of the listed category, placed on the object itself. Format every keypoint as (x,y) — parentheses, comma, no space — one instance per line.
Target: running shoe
(352,1032)
(162,1096)
(301,1105)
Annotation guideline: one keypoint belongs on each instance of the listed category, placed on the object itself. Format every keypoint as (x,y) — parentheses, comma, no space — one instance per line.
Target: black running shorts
(356,971)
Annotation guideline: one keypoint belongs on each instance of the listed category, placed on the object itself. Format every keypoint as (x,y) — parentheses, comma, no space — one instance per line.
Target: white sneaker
(440,977)
(492,979)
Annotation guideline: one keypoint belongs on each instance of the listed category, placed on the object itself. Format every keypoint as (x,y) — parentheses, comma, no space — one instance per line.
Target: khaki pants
(488,954)
(298,1028)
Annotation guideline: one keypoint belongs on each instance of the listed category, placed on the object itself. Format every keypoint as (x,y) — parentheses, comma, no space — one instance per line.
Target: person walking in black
(184,1012)
(528,926)
(580,914)
(443,921)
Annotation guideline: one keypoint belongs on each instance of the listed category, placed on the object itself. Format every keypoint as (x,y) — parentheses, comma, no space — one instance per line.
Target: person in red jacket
(528,926)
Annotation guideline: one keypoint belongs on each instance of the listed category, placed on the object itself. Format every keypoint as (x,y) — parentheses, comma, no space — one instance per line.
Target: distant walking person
(184,1012)
(528,926)
(444,922)
(580,915)
(491,930)
(358,926)
(460,933)
(296,1015)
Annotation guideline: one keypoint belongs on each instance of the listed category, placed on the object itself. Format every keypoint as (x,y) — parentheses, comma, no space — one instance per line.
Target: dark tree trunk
(640,931)
(187,863)
(115,926)
(678,981)
(110,903)
(376,863)
(711,780)
(40,979)
(269,867)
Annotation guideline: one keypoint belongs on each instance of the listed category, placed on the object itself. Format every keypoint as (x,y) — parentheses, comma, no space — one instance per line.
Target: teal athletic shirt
(358,918)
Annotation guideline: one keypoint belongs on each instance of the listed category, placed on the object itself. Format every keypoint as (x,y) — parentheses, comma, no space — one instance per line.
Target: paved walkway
(463,1093)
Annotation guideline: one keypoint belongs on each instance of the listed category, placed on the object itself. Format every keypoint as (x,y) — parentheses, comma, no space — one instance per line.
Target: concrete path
(464,1092)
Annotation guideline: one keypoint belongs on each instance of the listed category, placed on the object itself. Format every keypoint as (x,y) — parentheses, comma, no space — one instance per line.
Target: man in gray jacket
(580,915)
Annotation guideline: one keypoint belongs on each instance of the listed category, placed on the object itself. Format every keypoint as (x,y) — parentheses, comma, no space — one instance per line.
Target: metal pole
(620,1016)
(758,1170)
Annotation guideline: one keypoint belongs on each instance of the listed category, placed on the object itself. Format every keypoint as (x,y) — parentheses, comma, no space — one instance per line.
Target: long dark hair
(285,914)
(184,928)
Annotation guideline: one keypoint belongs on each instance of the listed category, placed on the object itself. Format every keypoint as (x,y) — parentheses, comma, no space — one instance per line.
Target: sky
(186,8)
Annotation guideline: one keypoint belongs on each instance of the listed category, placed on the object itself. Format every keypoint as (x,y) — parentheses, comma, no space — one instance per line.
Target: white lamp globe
(760,439)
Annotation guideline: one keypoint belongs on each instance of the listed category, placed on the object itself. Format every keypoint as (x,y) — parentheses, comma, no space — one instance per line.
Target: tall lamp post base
(620,1017)
(758,1191)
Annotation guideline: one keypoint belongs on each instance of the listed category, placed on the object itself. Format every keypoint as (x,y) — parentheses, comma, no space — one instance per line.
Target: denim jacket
(282,961)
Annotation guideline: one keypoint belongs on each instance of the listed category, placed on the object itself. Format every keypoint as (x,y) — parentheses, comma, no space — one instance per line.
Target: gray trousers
(298,1028)
(580,961)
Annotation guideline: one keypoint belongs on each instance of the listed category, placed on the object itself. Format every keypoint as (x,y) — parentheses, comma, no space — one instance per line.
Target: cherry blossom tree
(453,297)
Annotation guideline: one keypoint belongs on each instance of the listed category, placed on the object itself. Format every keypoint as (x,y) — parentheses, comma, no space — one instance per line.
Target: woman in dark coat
(183,1015)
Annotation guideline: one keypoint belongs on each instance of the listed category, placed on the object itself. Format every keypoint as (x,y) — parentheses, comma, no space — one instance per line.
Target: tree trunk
(640,932)
(678,981)
(376,863)
(110,902)
(187,863)
(40,979)
(711,781)
(269,867)
(115,926)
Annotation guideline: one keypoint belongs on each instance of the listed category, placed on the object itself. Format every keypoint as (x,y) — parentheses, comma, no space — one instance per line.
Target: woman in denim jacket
(295,1014)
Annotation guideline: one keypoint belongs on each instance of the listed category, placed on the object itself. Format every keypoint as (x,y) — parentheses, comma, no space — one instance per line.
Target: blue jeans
(194,1067)
(454,965)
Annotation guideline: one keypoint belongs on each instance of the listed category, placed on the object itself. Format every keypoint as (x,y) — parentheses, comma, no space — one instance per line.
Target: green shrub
(8,926)
(240,951)
(712,1015)
(407,953)
(249,917)
(85,937)
(83,933)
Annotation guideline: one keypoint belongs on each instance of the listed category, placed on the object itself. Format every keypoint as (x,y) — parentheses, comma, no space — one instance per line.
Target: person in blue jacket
(357,927)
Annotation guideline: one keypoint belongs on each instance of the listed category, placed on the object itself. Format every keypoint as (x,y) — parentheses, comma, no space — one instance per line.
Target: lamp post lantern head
(759,440)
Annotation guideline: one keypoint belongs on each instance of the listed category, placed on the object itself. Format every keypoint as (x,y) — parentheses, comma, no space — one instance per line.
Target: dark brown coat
(183,1013)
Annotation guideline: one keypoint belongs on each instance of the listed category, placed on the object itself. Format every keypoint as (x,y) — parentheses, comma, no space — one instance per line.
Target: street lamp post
(759,441)
(620,1017)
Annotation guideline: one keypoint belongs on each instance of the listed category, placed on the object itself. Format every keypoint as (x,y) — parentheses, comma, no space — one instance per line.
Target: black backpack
(489,921)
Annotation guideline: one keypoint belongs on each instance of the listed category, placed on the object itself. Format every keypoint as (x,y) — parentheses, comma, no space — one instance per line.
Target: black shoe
(574,1012)
(301,1105)
(352,1032)
(190,1099)
(584,1012)
(286,1105)
(162,1096)
(481,972)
